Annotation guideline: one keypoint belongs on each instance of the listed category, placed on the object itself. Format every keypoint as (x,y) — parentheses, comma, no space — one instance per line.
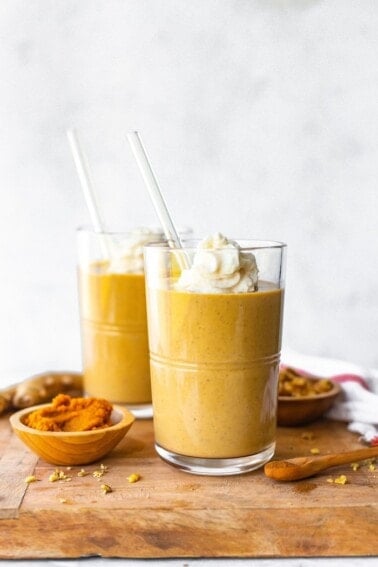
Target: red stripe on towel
(340,378)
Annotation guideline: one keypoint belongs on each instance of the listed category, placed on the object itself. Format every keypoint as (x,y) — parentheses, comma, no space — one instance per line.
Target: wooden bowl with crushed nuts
(72,447)
(303,399)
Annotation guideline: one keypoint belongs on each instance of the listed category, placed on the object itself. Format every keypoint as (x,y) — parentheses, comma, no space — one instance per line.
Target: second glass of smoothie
(215,319)
(113,317)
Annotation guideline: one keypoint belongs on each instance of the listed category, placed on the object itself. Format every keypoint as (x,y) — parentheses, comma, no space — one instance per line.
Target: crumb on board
(59,475)
(98,474)
(106,488)
(134,477)
(342,479)
(31,478)
(314,451)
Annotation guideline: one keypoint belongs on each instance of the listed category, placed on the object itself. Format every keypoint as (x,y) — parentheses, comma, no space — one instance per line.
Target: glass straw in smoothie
(83,171)
(157,198)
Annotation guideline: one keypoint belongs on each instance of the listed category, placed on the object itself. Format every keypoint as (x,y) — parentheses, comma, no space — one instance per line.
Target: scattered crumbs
(134,477)
(68,468)
(63,500)
(342,479)
(98,474)
(82,472)
(355,466)
(314,451)
(59,475)
(330,480)
(371,467)
(54,476)
(106,488)
(308,435)
(31,478)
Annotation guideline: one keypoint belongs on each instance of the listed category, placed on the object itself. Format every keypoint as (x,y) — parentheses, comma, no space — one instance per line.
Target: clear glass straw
(152,185)
(157,198)
(87,186)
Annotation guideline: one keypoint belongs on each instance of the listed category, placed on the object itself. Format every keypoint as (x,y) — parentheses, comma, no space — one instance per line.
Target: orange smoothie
(214,370)
(114,335)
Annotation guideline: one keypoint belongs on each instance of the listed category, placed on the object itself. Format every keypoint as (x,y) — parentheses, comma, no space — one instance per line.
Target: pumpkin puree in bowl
(71,414)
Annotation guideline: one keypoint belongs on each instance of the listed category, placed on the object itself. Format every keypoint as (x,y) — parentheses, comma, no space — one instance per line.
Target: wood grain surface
(168,513)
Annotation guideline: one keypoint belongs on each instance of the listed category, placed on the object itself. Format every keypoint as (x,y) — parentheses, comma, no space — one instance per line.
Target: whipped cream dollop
(127,255)
(219,266)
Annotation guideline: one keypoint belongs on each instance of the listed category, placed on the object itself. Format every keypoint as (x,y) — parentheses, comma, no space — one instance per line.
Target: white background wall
(261,119)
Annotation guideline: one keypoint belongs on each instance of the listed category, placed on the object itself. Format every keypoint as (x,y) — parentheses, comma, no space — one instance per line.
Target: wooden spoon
(303,467)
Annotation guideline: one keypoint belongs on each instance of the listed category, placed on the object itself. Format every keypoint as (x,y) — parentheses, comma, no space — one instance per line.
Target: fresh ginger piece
(6,397)
(44,387)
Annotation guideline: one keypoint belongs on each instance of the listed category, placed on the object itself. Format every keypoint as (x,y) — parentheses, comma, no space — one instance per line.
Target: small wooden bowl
(305,409)
(72,448)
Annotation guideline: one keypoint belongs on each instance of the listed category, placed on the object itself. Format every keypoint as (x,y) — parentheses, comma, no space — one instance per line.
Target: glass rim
(243,243)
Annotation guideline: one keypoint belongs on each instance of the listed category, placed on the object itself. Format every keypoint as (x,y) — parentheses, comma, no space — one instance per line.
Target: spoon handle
(344,458)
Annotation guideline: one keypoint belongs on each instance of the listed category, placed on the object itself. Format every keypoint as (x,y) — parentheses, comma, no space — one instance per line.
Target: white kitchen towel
(358,403)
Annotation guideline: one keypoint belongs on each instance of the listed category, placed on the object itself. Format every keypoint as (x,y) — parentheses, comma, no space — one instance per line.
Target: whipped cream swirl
(127,255)
(220,267)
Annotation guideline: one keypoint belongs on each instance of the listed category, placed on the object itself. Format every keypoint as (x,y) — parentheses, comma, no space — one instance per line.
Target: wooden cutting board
(168,513)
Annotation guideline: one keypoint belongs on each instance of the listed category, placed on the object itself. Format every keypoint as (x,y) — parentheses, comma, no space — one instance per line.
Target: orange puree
(71,414)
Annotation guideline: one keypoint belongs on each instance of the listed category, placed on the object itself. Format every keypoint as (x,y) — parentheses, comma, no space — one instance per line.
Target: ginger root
(6,397)
(39,389)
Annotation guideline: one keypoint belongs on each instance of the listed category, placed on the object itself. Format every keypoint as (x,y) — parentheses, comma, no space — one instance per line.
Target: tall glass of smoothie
(215,319)
(113,317)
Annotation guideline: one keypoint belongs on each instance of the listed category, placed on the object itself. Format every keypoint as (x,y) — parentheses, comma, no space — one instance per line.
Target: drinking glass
(214,360)
(113,320)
